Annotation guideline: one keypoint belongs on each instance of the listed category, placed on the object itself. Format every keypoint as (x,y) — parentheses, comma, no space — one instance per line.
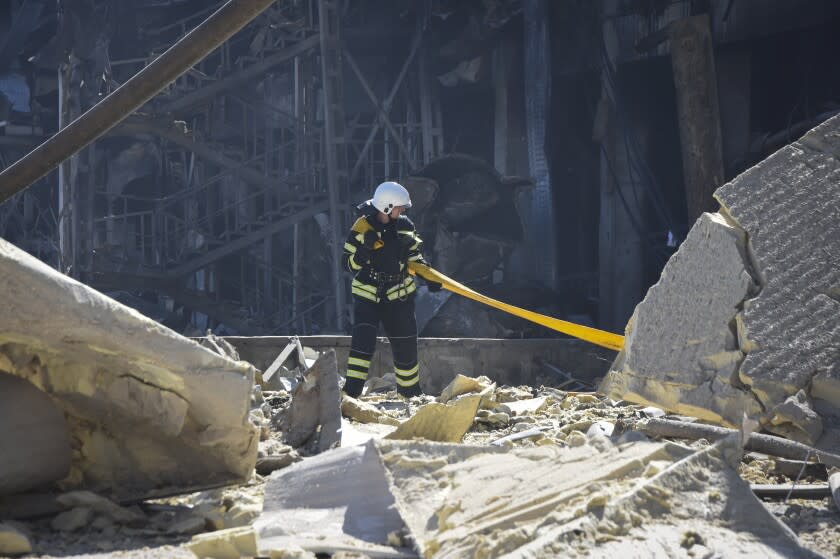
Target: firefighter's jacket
(381,274)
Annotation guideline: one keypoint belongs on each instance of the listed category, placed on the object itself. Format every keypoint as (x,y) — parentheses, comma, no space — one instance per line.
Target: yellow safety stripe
(357,361)
(592,335)
(407,372)
(357,374)
(353,264)
(410,382)
(403,284)
(413,235)
(401,291)
(364,286)
(361,226)
(349,248)
(364,294)
(360,237)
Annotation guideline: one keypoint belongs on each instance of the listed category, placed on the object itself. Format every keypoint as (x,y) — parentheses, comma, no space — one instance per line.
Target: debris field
(713,434)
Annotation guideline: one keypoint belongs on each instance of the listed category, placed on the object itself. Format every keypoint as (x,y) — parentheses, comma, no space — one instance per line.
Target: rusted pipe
(144,85)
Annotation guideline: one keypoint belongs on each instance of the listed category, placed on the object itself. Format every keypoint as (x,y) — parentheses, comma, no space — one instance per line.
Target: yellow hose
(592,335)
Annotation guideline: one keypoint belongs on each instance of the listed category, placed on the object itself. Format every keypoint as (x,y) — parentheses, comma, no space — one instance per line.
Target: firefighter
(377,251)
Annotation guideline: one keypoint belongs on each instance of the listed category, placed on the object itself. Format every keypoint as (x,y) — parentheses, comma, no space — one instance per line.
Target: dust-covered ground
(519,417)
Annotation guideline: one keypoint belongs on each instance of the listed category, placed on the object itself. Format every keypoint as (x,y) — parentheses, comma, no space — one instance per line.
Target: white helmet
(389,195)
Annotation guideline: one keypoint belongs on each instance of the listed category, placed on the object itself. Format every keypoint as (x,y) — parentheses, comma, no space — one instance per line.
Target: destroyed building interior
(632,208)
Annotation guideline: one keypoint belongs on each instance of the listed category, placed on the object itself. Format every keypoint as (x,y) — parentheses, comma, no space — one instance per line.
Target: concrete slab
(680,351)
(336,501)
(789,206)
(640,500)
(147,409)
(706,343)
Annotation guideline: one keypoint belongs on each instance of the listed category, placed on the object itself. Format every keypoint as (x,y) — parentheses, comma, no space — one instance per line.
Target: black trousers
(400,325)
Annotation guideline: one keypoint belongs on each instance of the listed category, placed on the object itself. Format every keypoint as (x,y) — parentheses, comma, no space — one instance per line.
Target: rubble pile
(121,438)
(745,318)
(525,471)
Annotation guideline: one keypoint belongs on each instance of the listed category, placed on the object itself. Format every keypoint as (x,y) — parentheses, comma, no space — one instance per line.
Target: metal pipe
(144,85)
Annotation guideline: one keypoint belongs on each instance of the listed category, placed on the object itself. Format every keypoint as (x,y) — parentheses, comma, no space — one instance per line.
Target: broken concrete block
(100,505)
(145,407)
(242,514)
(34,440)
(232,543)
(364,412)
(360,433)
(290,552)
(440,422)
(272,462)
(337,500)
(673,343)
(463,384)
(788,205)
(13,542)
(73,519)
(529,406)
(796,419)
(786,329)
(559,502)
(213,515)
(316,402)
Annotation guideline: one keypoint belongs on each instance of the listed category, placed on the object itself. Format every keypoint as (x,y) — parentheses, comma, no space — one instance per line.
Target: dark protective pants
(400,325)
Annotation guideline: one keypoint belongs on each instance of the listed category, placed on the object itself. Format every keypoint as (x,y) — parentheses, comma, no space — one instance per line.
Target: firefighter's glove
(362,256)
(369,239)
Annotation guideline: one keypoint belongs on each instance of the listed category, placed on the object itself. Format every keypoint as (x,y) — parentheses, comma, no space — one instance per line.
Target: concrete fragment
(290,552)
(145,407)
(13,542)
(673,342)
(463,384)
(241,514)
(440,422)
(272,462)
(316,402)
(34,440)
(337,500)
(554,502)
(73,519)
(794,418)
(364,412)
(359,433)
(529,406)
(600,429)
(783,334)
(213,515)
(535,433)
(100,505)
(232,543)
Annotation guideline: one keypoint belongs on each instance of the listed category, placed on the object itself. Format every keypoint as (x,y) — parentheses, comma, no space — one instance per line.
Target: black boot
(353,387)
(410,391)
